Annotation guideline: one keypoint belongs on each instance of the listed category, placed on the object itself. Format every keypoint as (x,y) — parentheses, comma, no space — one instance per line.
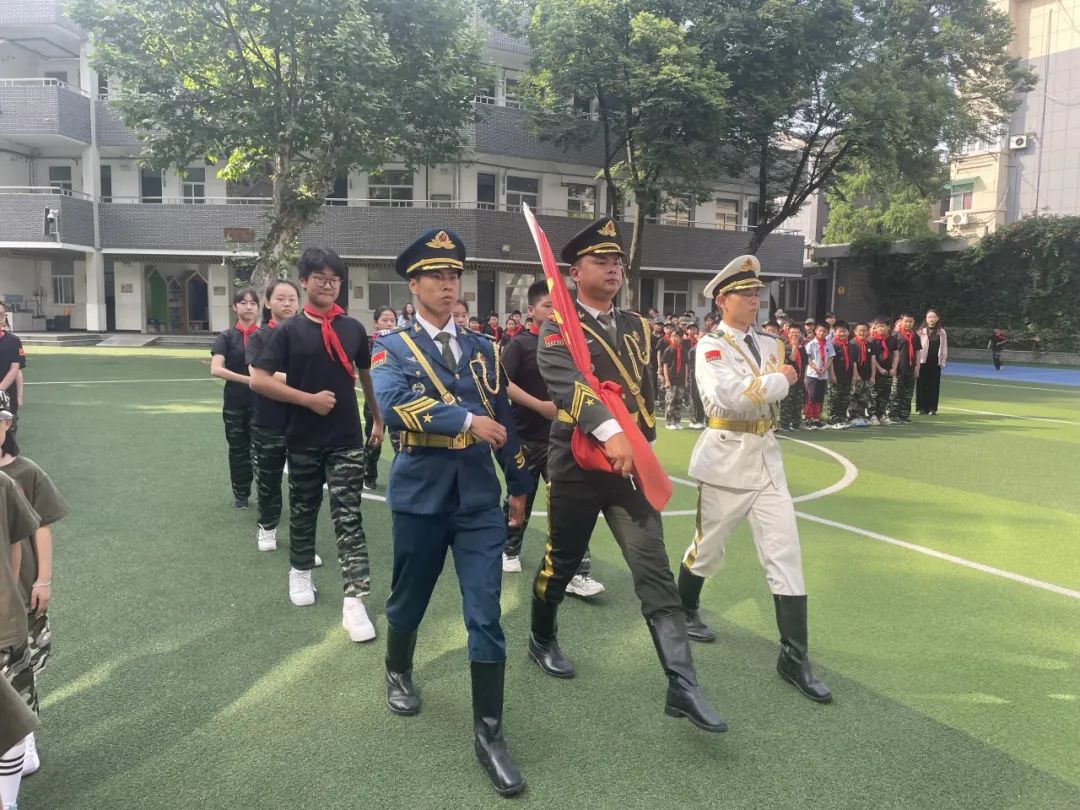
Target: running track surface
(1015,374)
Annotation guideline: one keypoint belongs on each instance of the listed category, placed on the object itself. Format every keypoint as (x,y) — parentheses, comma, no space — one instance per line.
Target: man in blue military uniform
(442,387)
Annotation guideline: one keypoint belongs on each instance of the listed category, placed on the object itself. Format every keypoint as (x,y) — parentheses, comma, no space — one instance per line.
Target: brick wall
(111,130)
(504,131)
(44,110)
(375,232)
(23,218)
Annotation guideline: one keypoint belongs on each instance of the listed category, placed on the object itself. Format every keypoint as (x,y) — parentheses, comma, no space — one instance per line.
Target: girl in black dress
(932,356)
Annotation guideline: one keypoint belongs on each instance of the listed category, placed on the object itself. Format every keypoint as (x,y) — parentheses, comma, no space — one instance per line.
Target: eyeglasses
(323,281)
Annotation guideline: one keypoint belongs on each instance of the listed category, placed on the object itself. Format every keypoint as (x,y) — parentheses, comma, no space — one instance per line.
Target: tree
(818,84)
(865,202)
(659,101)
(297,91)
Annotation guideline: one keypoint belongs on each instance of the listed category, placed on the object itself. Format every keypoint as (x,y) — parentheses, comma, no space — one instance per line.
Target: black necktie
(608,323)
(447,352)
(751,344)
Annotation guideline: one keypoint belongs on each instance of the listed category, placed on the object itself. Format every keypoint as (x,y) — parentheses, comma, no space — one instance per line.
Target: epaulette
(395,330)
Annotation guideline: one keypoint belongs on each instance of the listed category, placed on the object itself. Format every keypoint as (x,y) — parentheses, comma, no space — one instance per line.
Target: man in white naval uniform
(736,461)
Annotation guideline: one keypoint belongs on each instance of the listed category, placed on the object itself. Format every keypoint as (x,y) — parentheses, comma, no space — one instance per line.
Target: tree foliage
(1024,277)
(866,202)
(818,84)
(660,101)
(297,91)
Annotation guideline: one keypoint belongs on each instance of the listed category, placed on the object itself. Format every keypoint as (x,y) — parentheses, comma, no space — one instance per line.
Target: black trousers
(574,506)
(536,457)
(928,387)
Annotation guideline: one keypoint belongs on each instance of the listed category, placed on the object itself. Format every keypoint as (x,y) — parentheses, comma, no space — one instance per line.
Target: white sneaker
(301,588)
(511,565)
(584,586)
(318,561)
(355,619)
(31,760)
(874,421)
(697,425)
(267,539)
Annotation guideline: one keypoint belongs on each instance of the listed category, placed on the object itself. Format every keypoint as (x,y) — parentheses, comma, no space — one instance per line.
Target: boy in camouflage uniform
(904,345)
(675,372)
(317,351)
(881,389)
(792,405)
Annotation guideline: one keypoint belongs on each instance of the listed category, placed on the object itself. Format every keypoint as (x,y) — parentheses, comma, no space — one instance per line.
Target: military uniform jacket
(571,393)
(733,387)
(432,480)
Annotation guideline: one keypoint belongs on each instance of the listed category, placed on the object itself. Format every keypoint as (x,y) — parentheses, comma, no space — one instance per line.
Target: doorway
(485,294)
(110,298)
(157,305)
(198,303)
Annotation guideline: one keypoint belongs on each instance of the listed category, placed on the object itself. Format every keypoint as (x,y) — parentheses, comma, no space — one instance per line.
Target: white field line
(1010,415)
(1063,390)
(106,382)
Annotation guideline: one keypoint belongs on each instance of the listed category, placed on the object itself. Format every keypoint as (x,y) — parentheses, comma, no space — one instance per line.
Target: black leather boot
(684,697)
(543,643)
(401,696)
(793,663)
(487,701)
(690,594)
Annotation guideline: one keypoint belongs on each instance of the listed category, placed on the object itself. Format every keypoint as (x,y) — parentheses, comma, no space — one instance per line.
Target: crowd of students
(30,504)
(848,376)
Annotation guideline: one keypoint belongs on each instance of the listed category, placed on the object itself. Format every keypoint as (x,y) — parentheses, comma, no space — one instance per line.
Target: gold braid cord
(478,369)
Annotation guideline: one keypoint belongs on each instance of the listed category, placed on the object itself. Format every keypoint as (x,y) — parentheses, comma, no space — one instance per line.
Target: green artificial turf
(183,677)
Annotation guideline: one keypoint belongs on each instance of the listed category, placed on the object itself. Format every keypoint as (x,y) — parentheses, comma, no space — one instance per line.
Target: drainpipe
(832,298)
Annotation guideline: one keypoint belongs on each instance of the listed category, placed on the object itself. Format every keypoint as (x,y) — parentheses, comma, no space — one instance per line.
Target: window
(195,185)
(962,196)
(102,85)
(63,283)
(795,293)
(516,290)
(339,193)
(150,186)
(752,213)
(441,201)
(583,106)
(485,191)
(57,75)
(60,177)
(581,200)
(106,183)
(387,289)
(391,187)
(727,215)
(512,90)
(679,211)
(485,93)
(676,296)
(522,190)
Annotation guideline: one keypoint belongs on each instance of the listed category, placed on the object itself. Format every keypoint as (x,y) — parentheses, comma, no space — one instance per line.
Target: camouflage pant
(238,435)
(839,400)
(791,406)
(879,397)
(860,399)
(342,470)
(15,667)
(536,457)
(268,451)
(40,642)
(372,453)
(674,404)
(902,391)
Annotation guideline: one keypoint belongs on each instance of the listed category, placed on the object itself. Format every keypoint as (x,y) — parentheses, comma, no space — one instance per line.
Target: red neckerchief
(862,350)
(330,339)
(843,347)
(824,356)
(533,329)
(270,324)
(676,344)
(884,348)
(496,332)
(798,359)
(910,346)
(246,332)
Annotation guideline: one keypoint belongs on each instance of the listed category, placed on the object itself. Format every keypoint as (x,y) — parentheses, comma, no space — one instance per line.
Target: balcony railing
(39,106)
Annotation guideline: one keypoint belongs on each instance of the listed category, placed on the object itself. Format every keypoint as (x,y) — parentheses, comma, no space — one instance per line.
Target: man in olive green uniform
(620,347)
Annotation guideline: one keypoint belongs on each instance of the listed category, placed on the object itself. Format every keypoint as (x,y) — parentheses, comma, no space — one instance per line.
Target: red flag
(655,484)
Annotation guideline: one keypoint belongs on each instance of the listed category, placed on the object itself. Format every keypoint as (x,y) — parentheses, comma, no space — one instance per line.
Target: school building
(90,240)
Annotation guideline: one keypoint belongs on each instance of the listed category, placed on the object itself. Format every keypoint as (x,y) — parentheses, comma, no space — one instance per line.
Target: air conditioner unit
(958,220)
(1017,142)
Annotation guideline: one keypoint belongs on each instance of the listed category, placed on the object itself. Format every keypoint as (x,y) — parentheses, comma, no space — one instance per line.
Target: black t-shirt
(674,360)
(877,350)
(997,342)
(898,343)
(519,362)
(11,351)
(843,369)
(296,348)
(863,367)
(267,413)
(799,366)
(230,344)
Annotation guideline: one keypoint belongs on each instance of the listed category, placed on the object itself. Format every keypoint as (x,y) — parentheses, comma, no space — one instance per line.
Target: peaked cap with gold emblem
(742,273)
(600,237)
(437,249)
